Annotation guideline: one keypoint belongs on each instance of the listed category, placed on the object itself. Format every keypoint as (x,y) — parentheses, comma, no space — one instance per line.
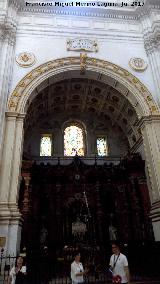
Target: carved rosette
(25,59)
(138,64)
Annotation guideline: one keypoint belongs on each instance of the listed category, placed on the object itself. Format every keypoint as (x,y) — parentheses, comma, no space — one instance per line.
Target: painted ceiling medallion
(138,64)
(82,44)
(25,59)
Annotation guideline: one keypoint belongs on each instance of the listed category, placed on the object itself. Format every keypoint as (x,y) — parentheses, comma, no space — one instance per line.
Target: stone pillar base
(155,216)
(10,228)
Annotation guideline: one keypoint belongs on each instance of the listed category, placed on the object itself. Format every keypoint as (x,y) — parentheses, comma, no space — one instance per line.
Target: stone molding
(148,119)
(155,211)
(129,13)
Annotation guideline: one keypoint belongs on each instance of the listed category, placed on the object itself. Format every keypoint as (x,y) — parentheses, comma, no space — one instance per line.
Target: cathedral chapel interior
(79,134)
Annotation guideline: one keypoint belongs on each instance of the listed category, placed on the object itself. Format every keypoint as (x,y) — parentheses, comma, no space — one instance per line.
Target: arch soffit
(136,92)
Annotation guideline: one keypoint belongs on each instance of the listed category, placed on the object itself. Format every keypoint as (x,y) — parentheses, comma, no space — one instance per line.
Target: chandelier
(79,228)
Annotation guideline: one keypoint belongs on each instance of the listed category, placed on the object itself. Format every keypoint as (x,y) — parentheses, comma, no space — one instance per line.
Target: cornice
(129,13)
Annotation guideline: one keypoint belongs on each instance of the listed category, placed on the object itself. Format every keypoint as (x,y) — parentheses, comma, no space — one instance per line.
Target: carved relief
(138,64)
(25,59)
(82,44)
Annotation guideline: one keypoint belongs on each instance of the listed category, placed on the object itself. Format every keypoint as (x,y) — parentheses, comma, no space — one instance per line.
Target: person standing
(17,273)
(119,265)
(77,270)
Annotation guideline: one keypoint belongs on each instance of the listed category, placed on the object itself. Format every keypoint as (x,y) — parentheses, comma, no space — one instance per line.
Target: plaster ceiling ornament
(138,64)
(82,44)
(25,59)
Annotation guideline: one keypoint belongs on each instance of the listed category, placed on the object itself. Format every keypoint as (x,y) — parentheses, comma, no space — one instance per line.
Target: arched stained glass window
(102,149)
(46,145)
(73,141)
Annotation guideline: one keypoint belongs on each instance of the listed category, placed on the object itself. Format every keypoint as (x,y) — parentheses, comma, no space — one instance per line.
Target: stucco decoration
(138,64)
(25,59)
(82,44)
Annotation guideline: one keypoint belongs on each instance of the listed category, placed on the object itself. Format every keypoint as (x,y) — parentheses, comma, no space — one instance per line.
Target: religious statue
(112,233)
(43,236)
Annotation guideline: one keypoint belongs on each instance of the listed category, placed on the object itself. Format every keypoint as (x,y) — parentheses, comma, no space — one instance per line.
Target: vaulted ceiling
(73,97)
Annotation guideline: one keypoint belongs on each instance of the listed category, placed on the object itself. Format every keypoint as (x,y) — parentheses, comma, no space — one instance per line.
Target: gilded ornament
(12,104)
(126,73)
(25,59)
(16,94)
(29,76)
(153,108)
(83,58)
(149,98)
(135,80)
(22,84)
(143,89)
(39,70)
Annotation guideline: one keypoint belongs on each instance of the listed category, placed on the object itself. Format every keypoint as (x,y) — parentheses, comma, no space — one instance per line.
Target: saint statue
(43,236)
(113,233)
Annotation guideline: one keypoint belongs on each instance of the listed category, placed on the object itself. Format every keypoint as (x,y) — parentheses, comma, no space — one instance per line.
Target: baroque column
(152,47)
(10,218)
(8,29)
(150,127)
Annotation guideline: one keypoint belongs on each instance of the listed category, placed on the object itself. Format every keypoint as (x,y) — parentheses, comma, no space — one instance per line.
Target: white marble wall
(117,41)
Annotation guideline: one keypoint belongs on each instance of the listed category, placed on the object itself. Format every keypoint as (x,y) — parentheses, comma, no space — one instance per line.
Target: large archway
(100,70)
(128,86)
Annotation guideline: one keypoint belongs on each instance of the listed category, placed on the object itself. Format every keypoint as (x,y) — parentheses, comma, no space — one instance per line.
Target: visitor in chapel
(119,265)
(77,270)
(17,273)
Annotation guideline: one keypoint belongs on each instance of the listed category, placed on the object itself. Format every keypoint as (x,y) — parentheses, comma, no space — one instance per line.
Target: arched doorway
(130,89)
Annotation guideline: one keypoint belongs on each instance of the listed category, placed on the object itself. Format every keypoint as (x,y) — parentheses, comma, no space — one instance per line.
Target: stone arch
(129,85)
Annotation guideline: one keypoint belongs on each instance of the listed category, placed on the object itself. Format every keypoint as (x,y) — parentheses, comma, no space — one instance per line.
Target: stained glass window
(46,145)
(102,149)
(73,141)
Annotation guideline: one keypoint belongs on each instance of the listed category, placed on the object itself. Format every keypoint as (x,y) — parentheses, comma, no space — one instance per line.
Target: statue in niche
(113,233)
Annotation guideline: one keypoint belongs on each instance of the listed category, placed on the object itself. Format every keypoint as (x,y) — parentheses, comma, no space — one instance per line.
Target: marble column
(150,127)
(152,48)
(8,29)
(10,217)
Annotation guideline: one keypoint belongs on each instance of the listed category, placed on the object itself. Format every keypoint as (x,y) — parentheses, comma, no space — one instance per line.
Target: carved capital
(152,42)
